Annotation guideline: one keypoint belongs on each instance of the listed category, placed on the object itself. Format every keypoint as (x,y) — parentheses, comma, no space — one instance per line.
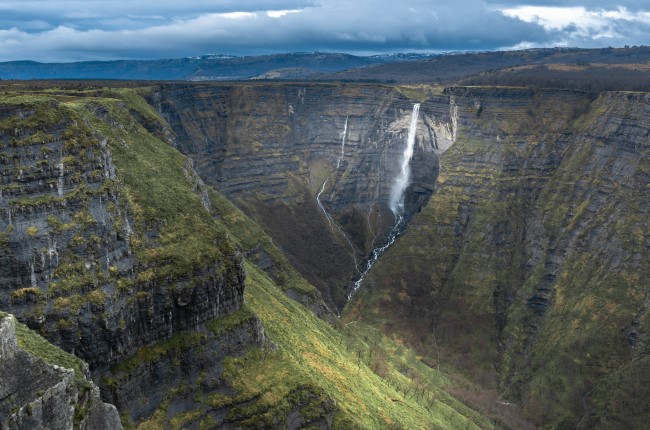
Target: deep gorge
(521,266)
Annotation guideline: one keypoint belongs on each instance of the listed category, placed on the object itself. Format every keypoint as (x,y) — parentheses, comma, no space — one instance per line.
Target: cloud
(72,30)
(588,27)
(633,5)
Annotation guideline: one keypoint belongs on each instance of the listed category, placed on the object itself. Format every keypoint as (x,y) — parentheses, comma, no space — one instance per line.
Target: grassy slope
(33,343)
(312,351)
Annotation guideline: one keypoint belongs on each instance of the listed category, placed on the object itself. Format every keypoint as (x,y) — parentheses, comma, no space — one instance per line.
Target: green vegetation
(4,241)
(367,380)
(41,348)
(151,173)
(419,93)
(229,322)
(178,342)
(311,350)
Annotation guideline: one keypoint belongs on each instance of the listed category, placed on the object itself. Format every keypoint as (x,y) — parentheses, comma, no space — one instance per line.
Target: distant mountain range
(203,68)
(622,64)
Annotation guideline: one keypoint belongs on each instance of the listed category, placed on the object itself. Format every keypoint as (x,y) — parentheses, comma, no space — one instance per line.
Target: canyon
(187,239)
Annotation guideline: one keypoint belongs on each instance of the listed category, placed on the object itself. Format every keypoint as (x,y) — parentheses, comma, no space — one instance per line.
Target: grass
(368,381)
(229,322)
(38,346)
(419,93)
(309,350)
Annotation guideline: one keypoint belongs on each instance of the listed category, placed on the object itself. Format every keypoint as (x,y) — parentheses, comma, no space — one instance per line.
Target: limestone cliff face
(37,395)
(529,257)
(189,359)
(68,240)
(275,148)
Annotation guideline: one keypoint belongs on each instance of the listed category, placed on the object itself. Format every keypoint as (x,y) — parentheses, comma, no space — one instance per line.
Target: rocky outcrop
(274,148)
(194,360)
(37,395)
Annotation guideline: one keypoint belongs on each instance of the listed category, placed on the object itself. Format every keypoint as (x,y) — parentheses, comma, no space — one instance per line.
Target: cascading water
(59,182)
(331,222)
(320,205)
(343,135)
(396,200)
(33,275)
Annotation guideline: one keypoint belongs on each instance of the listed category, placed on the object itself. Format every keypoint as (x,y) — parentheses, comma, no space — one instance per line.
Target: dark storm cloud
(121,14)
(77,30)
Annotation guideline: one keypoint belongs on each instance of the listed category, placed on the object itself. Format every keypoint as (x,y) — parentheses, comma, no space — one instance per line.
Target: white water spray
(33,275)
(343,135)
(59,182)
(396,201)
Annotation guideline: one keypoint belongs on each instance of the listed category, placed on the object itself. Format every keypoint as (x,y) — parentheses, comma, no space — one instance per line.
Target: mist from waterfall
(343,135)
(396,200)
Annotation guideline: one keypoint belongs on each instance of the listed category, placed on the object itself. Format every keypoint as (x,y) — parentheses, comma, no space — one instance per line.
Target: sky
(78,30)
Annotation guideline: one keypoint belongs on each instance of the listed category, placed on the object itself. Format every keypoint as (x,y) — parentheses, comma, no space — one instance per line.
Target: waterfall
(320,205)
(331,222)
(396,201)
(33,275)
(343,135)
(59,182)
(396,231)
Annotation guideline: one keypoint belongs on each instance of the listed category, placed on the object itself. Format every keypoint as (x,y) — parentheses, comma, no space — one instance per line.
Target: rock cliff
(76,263)
(93,254)
(523,263)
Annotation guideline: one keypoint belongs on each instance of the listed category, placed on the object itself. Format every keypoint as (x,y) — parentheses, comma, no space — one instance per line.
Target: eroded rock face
(137,386)
(68,267)
(35,395)
(274,148)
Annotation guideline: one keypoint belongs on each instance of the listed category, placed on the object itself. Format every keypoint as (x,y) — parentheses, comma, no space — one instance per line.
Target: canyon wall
(274,149)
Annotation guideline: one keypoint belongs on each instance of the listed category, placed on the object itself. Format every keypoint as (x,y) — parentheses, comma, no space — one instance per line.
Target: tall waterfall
(396,201)
(343,135)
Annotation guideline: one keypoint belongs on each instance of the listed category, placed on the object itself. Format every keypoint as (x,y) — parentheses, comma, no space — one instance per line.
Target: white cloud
(237,15)
(281,13)
(580,22)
